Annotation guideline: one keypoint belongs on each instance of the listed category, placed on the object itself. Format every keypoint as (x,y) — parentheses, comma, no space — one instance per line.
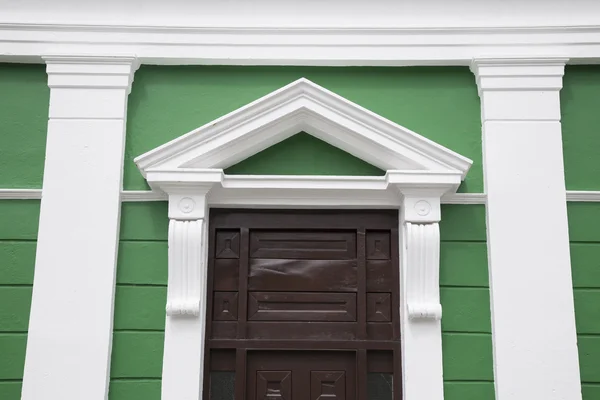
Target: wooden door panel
(328,385)
(274,385)
(227,244)
(226,274)
(378,245)
(380,276)
(225,306)
(303,304)
(303,275)
(379,307)
(299,306)
(304,245)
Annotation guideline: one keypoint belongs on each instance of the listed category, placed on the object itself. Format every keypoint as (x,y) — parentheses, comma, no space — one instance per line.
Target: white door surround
(189,170)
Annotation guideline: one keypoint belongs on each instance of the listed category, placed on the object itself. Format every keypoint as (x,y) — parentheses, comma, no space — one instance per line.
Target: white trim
(189,170)
(149,195)
(528,240)
(20,194)
(70,327)
(23,42)
(583,196)
(302,106)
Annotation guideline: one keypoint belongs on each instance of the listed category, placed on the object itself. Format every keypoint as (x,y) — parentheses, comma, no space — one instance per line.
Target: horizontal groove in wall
(140,379)
(590,288)
(11,380)
(143,240)
(161,285)
(15,285)
(464,287)
(467,333)
(139,330)
(593,335)
(469,381)
(12,333)
(18,240)
(462,241)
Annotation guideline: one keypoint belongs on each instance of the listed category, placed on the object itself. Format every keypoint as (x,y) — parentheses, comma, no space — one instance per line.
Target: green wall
(580,99)
(305,153)
(439,103)
(166,102)
(584,220)
(142,286)
(24,100)
(18,234)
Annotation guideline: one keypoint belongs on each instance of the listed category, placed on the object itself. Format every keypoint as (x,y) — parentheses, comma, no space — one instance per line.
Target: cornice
(527,73)
(299,46)
(106,72)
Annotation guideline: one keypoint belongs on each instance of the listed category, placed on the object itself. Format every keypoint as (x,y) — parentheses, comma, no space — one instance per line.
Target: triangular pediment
(303,106)
(303,154)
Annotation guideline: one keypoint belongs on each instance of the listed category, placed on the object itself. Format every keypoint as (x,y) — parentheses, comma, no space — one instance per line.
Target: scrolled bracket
(423,266)
(186,267)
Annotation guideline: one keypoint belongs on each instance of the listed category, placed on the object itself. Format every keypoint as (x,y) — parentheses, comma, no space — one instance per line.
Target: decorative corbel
(420,218)
(188,242)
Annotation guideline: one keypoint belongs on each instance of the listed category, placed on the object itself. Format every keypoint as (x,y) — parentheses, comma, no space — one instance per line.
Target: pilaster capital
(189,203)
(502,74)
(90,71)
(89,87)
(519,89)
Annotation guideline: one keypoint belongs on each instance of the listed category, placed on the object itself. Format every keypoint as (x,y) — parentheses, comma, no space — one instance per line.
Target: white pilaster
(185,327)
(70,327)
(533,320)
(421,310)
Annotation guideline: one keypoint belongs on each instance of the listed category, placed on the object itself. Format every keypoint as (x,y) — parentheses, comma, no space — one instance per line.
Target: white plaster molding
(423,270)
(66,357)
(260,198)
(185,266)
(257,199)
(583,196)
(290,45)
(189,167)
(20,194)
(303,106)
(521,110)
(142,195)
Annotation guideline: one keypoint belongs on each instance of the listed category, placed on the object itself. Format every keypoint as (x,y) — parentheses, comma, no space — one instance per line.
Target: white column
(421,310)
(183,362)
(533,319)
(70,327)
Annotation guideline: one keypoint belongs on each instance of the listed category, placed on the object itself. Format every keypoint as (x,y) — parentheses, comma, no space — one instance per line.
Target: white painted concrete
(533,318)
(70,327)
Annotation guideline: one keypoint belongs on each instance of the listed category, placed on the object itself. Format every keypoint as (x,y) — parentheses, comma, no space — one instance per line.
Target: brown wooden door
(303,305)
(301,375)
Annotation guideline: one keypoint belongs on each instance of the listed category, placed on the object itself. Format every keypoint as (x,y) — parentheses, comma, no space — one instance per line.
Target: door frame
(371,348)
(189,170)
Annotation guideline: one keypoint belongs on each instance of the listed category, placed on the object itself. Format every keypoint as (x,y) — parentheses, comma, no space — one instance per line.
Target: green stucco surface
(579,99)
(439,103)
(24,99)
(584,220)
(305,154)
(18,234)
(141,297)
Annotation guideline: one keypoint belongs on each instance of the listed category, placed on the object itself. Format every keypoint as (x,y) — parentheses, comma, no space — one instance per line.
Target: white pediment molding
(302,106)
(190,171)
